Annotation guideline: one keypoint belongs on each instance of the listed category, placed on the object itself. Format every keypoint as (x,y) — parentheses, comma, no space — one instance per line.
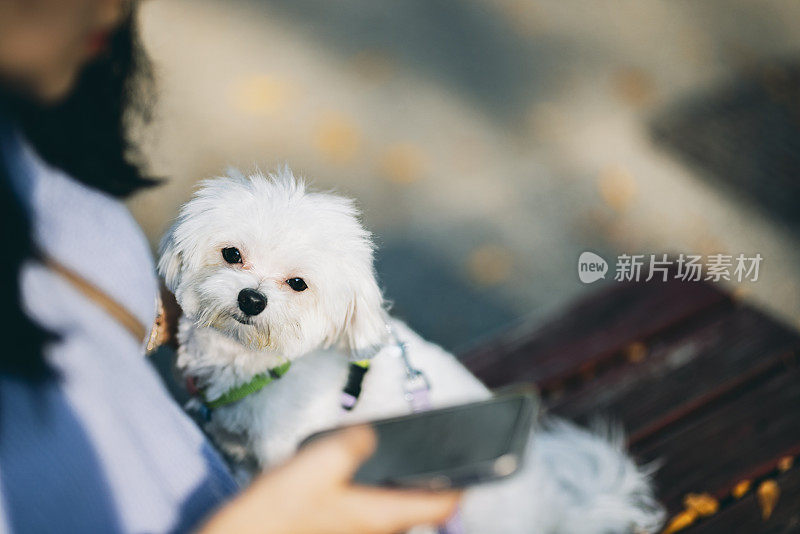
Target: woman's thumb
(340,454)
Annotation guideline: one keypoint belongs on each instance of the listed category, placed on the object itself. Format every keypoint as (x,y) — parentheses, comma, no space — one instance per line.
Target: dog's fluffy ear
(170,260)
(364,330)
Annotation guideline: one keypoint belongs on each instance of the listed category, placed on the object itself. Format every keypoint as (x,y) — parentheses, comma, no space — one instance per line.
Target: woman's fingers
(312,494)
(382,510)
(397,510)
(170,316)
(338,455)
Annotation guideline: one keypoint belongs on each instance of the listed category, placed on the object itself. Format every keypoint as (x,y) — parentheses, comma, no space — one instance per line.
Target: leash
(417,391)
(416,388)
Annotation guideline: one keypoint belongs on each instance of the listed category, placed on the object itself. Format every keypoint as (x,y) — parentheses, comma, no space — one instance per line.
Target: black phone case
(477,472)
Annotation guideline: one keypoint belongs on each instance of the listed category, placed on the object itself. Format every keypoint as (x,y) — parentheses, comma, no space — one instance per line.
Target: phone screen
(458,444)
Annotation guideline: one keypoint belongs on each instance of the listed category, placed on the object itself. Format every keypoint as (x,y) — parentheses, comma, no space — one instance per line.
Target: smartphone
(450,447)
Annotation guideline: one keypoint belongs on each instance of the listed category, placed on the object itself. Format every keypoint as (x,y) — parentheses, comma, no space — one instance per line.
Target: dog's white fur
(573,482)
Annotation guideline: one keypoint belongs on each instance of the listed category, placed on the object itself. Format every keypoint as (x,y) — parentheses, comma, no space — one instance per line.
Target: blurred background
(489,143)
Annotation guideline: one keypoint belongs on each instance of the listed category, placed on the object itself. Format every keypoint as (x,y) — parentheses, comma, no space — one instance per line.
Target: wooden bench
(703,383)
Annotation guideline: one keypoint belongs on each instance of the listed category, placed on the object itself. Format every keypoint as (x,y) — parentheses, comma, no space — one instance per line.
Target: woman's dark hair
(88,136)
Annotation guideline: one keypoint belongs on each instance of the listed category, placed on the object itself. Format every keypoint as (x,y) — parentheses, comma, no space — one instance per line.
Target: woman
(89,439)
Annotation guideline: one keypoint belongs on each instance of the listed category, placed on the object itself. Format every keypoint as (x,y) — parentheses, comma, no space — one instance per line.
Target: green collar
(256,384)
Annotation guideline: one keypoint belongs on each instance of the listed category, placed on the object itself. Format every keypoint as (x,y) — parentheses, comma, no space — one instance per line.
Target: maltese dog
(282,310)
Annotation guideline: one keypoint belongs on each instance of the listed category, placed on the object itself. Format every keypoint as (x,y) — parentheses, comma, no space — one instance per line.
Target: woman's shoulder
(84,229)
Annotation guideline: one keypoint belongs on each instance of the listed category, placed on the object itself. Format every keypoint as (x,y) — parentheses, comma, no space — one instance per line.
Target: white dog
(269,273)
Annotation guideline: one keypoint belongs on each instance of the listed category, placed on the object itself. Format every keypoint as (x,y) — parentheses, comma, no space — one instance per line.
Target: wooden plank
(738,436)
(744,515)
(714,395)
(591,334)
(683,371)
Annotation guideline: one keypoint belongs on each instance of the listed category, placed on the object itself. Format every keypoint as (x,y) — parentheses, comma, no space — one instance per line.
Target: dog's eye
(298,284)
(232,255)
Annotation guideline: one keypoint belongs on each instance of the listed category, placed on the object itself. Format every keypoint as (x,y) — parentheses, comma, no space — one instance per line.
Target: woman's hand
(312,493)
(169,316)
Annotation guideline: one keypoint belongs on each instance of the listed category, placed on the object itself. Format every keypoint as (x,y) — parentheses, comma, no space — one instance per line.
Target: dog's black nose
(251,301)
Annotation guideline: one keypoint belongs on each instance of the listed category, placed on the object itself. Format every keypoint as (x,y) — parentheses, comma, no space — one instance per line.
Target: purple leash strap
(417,391)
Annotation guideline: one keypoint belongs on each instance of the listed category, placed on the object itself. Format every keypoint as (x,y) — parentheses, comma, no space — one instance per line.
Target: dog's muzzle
(251,302)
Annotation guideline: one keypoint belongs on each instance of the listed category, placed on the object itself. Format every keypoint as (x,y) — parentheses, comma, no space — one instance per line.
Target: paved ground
(489,142)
